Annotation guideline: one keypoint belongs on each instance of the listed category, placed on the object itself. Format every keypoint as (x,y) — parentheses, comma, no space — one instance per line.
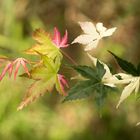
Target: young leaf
(126,66)
(44,46)
(44,83)
(46,78)
(51,64)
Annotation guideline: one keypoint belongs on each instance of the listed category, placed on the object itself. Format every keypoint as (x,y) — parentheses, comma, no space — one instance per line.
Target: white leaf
(114,80)
(83,39)
(137,85)
(110,85)
(138,124)
(100,28)
(92,34)
(91,45)
(93,59)
(126,78)
(108,73)
(109,32)
(126,92)
(103,31)
(89,28)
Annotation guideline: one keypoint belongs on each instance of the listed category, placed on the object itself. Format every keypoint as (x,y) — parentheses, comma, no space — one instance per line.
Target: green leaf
(91,86)
(44,45)
(41,73)
(100,97)
(101,94)
(87,72)
(91,73)
(102,91)
(52,65)
(81,90)
(46,78)
(37,89)
(44,82)
(100,69)
(138,68)
(126,66)
(47,66)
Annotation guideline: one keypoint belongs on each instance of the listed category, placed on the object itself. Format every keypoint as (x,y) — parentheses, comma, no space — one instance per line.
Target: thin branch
(69,58)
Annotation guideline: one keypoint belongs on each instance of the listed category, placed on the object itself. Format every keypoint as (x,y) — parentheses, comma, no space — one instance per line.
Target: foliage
(47,118)
(92,34)
(132,78)
(92,85)
(127,66)
(44,70)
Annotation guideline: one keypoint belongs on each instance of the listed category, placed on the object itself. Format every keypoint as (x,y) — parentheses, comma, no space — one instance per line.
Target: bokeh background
(48,118)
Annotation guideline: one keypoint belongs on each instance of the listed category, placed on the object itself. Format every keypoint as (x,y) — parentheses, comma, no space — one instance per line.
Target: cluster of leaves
(96,81)
(45,73)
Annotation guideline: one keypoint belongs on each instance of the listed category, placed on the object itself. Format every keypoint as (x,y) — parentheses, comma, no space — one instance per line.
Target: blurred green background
(48,118)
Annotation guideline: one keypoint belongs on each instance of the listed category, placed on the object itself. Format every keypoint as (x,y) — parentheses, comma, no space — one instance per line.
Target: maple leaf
(60,43)
(46,78)
(9,67)
(133,84)
(45,73)
(90,84)
(44,46)
(44,82)
(132,79)
(92,35)
(47,45)
(127,66)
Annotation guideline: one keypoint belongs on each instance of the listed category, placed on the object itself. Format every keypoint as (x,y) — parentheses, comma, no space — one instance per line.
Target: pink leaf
(10,70)
(64,40)
(63,83)
(56,37)
(16,69)
(7,67)
(25,67)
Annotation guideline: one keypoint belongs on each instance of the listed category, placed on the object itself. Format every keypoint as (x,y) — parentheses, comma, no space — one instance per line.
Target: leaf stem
(69,58)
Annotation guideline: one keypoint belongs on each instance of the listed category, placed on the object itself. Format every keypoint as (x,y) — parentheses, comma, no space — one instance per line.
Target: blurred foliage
(47,118)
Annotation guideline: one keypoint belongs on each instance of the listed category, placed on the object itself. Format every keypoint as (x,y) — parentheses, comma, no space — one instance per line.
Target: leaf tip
(137,124)
(117,106)
(19,108)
